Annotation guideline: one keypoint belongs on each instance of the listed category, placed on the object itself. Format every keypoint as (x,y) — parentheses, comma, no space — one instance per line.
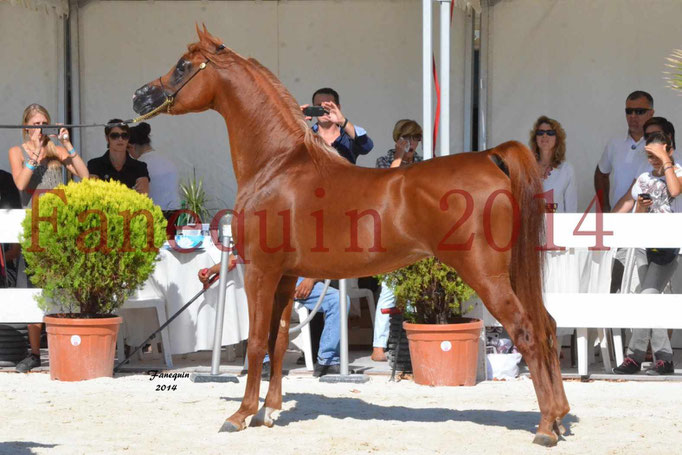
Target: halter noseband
(168,102)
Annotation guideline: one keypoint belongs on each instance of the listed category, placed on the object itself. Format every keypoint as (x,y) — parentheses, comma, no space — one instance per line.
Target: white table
(175,281)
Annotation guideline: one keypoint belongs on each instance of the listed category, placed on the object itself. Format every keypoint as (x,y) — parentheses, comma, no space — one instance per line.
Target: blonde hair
(30,111)
(559,154)
(406,126)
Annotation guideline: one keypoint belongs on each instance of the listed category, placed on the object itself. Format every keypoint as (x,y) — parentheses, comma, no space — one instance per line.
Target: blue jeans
(382,321)
(330,341)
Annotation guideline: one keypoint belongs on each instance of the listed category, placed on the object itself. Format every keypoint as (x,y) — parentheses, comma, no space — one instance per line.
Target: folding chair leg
(582,351)
(165,340)
(618,346)
(604,345)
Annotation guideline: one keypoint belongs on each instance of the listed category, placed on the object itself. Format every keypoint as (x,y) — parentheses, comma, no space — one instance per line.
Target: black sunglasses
(636,110)
(115,136)
(543,132)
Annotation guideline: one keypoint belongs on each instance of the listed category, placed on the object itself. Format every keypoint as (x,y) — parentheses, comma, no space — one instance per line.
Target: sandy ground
(128,415)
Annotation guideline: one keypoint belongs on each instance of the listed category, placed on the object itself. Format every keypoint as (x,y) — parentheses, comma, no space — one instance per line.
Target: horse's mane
(320,153)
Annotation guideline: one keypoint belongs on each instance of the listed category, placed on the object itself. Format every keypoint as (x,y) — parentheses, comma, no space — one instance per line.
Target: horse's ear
(205,29)
(199,32)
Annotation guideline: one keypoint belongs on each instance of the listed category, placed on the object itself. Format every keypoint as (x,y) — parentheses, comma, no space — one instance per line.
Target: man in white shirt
(623,156)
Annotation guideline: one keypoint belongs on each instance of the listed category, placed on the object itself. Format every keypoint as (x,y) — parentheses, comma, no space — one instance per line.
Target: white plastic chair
(355,294)
(303,340)
(148,302)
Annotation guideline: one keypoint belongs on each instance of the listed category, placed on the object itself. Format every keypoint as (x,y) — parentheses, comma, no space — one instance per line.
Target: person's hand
(643,205)
(233,261)
(303,106)
(64,138)
(36,150)
(335,115)
(402,146)
(304,289)
(659,151)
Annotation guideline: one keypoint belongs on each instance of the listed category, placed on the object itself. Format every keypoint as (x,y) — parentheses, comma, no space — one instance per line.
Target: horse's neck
(260,124)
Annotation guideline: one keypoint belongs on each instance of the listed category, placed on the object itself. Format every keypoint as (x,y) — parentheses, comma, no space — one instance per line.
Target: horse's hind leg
(534,339)
(260,290)
(277,346)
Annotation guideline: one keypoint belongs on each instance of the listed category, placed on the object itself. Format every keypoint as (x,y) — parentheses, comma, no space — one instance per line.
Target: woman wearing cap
(116,164)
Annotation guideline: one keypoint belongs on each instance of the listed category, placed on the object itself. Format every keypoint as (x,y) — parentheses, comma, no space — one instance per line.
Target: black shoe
(300,361)
(661,367)
(265,372)
(629,366)
(29,363)
(321,370)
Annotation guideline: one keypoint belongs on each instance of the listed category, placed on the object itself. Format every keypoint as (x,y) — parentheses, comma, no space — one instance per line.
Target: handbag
(661,256)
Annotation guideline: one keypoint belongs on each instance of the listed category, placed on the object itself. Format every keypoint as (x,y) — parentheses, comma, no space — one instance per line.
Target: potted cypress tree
(443,344)
(89,246)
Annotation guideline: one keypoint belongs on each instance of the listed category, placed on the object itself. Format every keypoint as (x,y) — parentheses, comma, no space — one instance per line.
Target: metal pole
(220,310)
(343,307)
(445,77)
(427,52)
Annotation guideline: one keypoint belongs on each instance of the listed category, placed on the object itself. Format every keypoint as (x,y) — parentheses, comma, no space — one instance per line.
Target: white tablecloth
(578,270)
(175,281)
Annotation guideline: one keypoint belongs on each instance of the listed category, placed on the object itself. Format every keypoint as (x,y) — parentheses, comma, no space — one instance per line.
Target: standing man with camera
(337,131)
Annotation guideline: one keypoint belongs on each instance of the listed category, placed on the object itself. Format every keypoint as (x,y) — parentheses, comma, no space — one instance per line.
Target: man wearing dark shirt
(9,199)
(9,195)
(337,131)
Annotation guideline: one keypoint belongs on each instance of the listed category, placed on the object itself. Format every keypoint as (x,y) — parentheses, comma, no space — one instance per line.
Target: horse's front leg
(278,343)
(260,289)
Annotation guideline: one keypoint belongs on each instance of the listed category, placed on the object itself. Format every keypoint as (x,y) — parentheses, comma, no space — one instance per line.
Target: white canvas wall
(576,61)
(370,51)
(31,55)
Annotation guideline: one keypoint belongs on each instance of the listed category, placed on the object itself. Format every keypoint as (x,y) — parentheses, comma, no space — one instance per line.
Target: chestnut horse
(476,212)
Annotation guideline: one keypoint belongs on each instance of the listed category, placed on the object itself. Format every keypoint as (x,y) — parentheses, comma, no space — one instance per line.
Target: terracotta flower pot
(444,354)
(81,349)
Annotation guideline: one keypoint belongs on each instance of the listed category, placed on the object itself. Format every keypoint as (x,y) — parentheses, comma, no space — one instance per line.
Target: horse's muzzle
(147,98)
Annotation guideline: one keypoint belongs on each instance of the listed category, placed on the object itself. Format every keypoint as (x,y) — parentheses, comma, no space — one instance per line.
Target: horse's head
(189,86)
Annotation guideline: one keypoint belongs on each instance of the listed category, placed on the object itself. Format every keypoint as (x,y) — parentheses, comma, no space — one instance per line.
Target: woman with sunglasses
(38,164)
(116,164)
(548,143)
(407,134)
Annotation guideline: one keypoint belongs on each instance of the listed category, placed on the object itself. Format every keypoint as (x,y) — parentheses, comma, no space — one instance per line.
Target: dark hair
(659,138)
(327,91)
(637,94)
(139,134)
(116,123)
(665,125)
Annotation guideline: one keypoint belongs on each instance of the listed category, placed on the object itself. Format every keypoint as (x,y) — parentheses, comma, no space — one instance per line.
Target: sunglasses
(636,110)
(115,136)
(543,132)
(414,137)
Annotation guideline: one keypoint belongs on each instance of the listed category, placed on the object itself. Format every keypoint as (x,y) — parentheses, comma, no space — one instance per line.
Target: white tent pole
(427,51)
(444,77)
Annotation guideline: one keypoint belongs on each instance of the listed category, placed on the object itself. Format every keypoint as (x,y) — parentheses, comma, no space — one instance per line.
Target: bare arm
(602,187)
(142,185)
(625,204)
(21,174)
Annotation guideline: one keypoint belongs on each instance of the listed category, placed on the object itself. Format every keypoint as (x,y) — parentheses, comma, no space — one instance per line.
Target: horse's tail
(526,267)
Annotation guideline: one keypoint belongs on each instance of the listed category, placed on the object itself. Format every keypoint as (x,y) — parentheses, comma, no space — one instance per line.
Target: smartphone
(645,196)
(314,111)
(52,130)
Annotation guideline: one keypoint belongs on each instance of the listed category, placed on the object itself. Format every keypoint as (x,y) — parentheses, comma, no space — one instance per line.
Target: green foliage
(428,292)
(85,266)
(674,77)
(194,199)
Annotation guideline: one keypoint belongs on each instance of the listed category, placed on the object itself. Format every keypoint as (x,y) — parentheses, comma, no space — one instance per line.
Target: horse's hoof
(545,440)
(229,427)
(559,429)
(264,417)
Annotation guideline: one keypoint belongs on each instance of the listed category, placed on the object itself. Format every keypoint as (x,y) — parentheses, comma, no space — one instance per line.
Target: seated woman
(548,143)
(653,192)
(116,164)
(407,134)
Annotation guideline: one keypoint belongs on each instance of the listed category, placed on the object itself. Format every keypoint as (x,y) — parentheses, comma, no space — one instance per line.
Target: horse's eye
(182,65)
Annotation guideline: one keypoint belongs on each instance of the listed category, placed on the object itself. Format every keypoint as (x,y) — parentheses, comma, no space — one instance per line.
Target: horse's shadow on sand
(22,447)
(310,406)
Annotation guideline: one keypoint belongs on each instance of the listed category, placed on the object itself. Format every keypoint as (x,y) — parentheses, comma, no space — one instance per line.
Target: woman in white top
(548,143)
(653,192)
